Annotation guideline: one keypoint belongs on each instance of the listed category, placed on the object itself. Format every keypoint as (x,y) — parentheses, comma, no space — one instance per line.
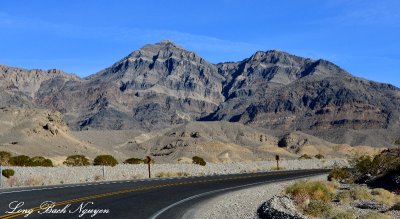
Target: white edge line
(157,214)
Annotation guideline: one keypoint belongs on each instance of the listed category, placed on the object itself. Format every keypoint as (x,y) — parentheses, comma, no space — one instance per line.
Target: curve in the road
(160,198)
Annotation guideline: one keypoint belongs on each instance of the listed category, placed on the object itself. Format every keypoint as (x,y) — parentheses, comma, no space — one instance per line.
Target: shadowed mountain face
(163,84)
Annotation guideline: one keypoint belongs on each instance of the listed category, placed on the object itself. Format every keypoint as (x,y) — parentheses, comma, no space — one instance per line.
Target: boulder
(279,207)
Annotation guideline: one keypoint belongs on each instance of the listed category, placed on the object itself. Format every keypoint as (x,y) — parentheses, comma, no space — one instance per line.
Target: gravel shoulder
(242,203)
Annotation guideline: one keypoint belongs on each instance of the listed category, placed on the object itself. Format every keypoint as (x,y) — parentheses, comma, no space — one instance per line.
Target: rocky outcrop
(279,207)
(154,87)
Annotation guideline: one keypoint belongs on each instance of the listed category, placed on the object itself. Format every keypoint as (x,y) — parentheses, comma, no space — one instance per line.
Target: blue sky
(85,36)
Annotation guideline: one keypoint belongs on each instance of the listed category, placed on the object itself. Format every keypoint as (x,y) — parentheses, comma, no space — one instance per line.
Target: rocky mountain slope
(163,84)
(39,132)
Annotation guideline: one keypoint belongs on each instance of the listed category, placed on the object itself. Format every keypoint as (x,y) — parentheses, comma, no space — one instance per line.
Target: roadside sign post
(148,161)
(277,162)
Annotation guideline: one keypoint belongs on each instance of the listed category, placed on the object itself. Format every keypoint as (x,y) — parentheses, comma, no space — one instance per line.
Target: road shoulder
(241,203)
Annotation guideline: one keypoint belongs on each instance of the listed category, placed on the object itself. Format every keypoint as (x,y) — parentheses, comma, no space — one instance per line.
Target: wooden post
(277,162)
(148,165)
(148,161)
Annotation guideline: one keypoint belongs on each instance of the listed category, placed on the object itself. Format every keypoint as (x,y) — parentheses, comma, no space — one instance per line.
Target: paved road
(158,198)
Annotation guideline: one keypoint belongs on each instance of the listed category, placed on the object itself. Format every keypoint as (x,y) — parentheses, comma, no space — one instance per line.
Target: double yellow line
(14,215)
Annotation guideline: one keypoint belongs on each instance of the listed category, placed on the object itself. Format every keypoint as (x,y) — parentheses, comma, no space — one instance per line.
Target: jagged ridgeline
(163,84)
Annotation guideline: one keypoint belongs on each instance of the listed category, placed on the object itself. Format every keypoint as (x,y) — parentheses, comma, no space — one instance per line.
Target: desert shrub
(337,213)
(133,160)
(317,208)
(8,173)
(40,161)
(303,190)
(360,193)
(320,156)
(305,157)
(21,160)
(199,161)
(374,215)
(388,160)
(105,160)
(76,160)
(5,158)
(363,164)
(339,174)
(344,197)
(383,196)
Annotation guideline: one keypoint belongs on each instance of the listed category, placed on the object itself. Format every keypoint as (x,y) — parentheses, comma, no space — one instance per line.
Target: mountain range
(163,85)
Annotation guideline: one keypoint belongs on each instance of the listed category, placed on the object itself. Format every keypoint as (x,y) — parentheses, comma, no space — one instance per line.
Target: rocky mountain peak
(275,57)
(167,42)
(164,50)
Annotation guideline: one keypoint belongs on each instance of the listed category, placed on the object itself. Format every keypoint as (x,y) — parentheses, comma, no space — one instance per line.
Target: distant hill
(162,85)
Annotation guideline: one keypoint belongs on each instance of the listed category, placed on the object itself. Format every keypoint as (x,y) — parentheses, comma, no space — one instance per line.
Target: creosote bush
(5,158)
(8,173)
(20,160)
(199,161)
(105,160)
(76,160)
(133,160)
(40,161)
(26,161)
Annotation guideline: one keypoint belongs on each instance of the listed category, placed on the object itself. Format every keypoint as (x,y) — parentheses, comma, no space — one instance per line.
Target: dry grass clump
(317,208)
(355,193)
(313,198)
(171,174)
(344,197)
(360,193)
(374,215)
(337,213)
(313,190)
(384,196)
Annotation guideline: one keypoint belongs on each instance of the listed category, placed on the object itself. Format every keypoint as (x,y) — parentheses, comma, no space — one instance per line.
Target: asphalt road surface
(154,198)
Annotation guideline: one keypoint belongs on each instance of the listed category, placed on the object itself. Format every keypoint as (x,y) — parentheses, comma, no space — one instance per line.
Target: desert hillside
(38,132)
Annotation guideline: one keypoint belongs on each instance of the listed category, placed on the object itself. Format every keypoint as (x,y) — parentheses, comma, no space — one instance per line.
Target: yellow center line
(13,215)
